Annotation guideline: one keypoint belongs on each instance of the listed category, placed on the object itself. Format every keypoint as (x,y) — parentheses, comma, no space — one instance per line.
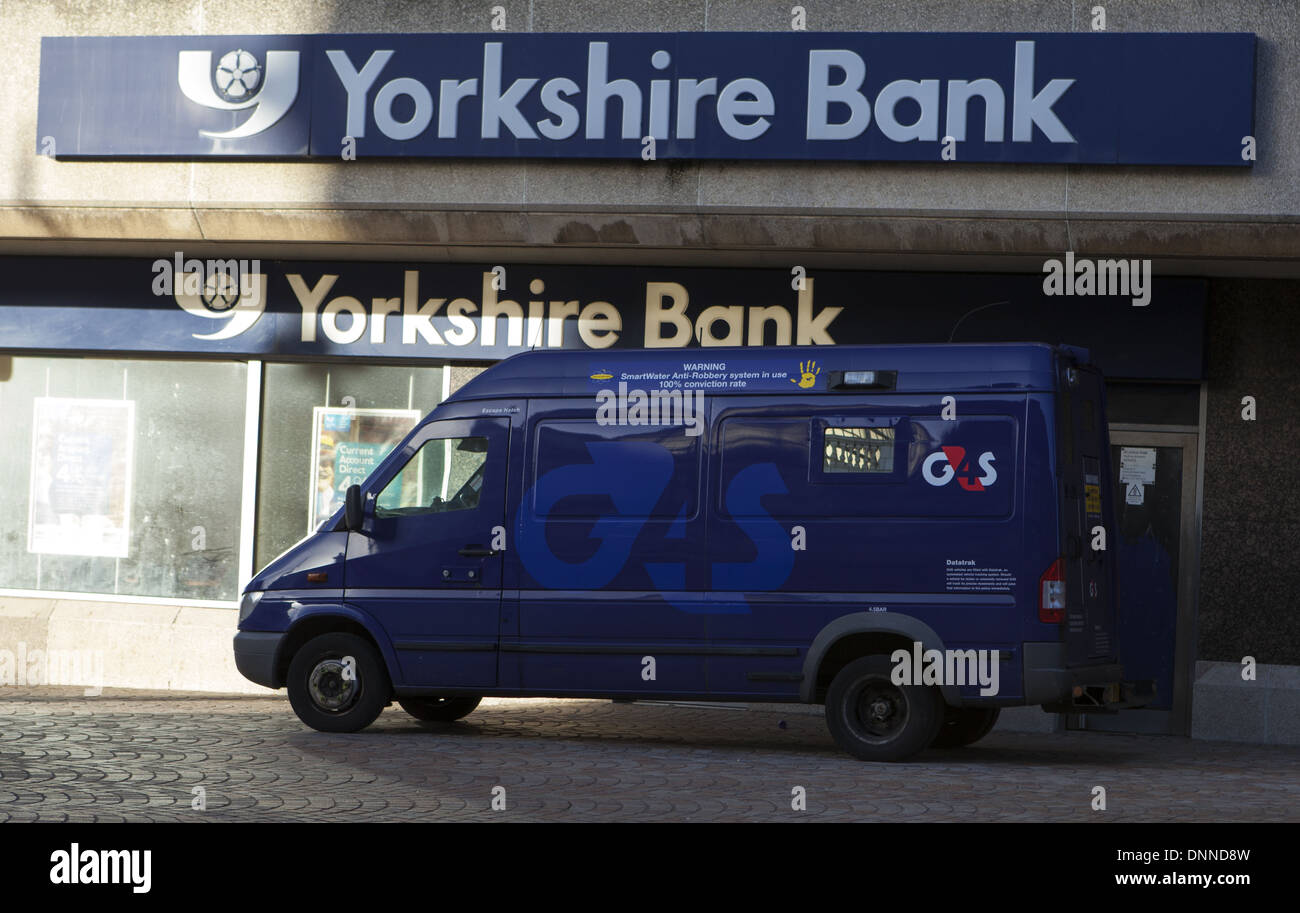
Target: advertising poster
(347,444)
(82,454)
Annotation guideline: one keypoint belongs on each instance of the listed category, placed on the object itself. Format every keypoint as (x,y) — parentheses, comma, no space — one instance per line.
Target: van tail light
(1051,593)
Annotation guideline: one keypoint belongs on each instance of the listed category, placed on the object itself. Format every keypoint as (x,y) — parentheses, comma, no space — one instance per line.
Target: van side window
(444,475)
(866,467)
(858,449)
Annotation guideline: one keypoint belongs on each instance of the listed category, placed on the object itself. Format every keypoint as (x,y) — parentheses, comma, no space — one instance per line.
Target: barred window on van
(866,450)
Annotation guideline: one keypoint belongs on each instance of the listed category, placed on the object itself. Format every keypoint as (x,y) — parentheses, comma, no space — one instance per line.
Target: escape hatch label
(966,575)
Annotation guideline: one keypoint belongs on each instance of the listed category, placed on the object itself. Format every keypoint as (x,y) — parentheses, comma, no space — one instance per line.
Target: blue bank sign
(464,312)
(1164,99)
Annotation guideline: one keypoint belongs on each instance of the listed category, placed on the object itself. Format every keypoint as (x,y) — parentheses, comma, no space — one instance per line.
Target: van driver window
(444,475)
(858,450)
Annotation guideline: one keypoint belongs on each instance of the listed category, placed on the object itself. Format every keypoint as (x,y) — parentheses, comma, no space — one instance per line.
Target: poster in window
(347,444)
(82,456)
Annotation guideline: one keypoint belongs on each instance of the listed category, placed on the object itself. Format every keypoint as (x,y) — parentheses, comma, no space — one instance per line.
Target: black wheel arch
(862,634)
(314,626)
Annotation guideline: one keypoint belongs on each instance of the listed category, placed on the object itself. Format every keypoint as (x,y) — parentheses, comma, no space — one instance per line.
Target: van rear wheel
(338,683)
(965,726)
(439,709)
(875,720)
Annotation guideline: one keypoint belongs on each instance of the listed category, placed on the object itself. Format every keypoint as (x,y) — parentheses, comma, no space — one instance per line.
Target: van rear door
(1089,571)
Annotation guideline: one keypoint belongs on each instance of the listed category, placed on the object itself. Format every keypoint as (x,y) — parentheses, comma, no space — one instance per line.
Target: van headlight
(248,603)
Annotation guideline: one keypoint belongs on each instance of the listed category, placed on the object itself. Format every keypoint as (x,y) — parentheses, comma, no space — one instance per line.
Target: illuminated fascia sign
(1176,99)
(468,312)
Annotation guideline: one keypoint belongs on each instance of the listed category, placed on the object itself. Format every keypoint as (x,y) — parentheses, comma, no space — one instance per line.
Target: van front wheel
(439,709)
(875,720)
(338,683)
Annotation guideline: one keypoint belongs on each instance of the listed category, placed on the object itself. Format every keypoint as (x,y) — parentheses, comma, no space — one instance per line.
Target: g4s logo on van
(239,82)
(950,462)
(607,474)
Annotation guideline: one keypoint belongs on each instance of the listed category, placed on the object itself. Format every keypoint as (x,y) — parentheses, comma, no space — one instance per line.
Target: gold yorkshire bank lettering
(540,322)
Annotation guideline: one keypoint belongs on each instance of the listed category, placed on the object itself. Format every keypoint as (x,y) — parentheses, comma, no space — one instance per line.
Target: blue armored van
(913,536)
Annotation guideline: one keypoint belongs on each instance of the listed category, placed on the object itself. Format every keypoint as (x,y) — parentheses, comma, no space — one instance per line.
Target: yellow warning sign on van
(1092,499)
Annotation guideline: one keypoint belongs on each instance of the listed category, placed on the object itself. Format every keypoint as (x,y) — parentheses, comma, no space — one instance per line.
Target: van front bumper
(255,653)
(1048,680)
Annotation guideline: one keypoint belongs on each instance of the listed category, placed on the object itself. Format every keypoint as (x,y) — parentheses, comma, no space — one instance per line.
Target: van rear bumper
(1049,680)
(255,653)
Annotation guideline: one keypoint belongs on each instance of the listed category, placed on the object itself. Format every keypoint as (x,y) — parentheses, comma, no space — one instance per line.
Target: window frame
(400,513)
(548,419)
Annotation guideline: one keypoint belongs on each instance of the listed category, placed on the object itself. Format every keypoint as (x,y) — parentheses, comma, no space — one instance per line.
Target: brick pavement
(135,755)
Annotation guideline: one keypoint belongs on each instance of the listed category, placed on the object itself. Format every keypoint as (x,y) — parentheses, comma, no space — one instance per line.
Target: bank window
(444,475)
(858,450)
(122,476)
(325,427)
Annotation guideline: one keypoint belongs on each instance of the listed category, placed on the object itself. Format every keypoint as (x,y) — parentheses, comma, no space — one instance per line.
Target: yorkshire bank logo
(239,306)
(238,83)
(950,462)
(229,290)
(1166,99)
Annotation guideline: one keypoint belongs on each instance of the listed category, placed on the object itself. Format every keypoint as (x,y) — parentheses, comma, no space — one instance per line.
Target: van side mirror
(353,514)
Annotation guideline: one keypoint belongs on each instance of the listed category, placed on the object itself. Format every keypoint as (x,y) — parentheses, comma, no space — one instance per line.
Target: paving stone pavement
(138,755)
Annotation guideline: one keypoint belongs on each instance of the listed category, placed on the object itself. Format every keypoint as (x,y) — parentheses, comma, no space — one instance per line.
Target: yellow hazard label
(1092,499)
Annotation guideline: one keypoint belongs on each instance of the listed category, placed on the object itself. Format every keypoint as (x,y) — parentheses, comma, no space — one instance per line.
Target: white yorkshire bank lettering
(743,108)
(540,323)
(78,866)
(1028,109)
(654,407)
(1120,278)
(947,667)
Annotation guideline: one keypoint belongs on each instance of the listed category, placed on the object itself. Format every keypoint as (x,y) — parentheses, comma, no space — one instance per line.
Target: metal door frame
(1177,720)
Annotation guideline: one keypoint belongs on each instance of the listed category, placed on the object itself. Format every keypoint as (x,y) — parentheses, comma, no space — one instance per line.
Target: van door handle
(477,551)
